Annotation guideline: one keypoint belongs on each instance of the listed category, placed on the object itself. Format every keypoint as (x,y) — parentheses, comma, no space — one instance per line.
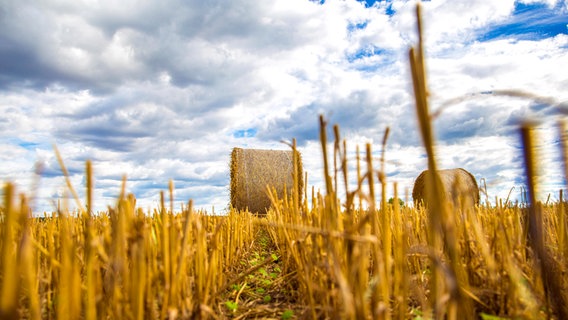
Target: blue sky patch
(366,52)
(386,58)
(387,4)
(530,22)
(246,133)
(389,10)
(28,145)
(357,26)
(368,3)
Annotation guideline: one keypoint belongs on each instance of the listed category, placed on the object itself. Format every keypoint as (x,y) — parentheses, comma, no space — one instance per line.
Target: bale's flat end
(253,170)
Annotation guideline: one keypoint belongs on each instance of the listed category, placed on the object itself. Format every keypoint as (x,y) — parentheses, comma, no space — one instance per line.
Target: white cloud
(164,90)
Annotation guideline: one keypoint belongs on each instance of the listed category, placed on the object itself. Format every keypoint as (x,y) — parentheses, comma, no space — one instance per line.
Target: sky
(163,90)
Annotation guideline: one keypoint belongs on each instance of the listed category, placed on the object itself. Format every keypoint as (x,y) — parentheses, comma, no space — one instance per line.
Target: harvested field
(356,257)
(319,261)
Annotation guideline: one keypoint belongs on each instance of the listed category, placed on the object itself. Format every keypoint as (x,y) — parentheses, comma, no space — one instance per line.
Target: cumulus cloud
(161,91)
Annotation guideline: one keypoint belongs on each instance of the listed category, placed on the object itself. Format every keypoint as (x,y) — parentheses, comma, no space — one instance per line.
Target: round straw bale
(460,187)
(254,170)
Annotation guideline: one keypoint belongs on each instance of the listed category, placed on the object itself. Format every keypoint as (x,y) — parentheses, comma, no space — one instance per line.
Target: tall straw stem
(336,156)
(10,278)
(344,170)
(139,270)
(563,232)
(184,248)
(330,198)
(434,240)
(296,189)
(67,179)
(69,298)
(323,139)
(359,178)
(27,261)
(385,223)
(173,245)
(341,157)
(91,265)
(375,252)
(400,270)
(550,270)
(441,223)
(165,217)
